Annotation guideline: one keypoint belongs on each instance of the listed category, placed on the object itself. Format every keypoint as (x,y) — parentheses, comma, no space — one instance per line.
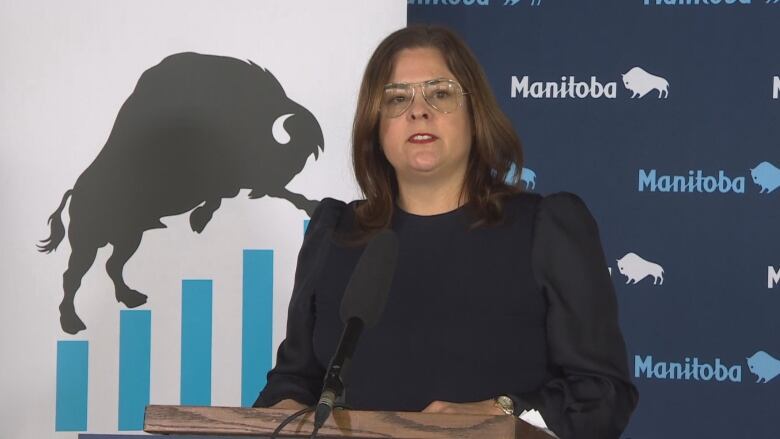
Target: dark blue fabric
(524,308)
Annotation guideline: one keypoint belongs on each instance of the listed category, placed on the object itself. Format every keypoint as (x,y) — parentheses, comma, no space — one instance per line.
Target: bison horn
(280,134)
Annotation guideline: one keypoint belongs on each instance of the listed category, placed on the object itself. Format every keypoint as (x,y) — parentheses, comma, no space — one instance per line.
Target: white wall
(66,68)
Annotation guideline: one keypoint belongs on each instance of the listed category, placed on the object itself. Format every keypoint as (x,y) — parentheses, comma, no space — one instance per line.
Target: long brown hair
(495,145)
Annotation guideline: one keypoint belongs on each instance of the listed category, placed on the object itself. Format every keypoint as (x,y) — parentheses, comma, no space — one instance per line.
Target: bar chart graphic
(135,336)
(72,383)
(256,343)
(135,346)
(196,340)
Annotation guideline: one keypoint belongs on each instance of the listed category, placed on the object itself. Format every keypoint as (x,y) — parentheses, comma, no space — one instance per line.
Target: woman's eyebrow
(392,84)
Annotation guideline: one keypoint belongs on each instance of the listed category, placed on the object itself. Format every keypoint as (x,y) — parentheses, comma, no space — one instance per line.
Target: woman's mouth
(422,138)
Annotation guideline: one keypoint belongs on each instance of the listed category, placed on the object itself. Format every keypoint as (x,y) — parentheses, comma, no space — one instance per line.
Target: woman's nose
(419,109)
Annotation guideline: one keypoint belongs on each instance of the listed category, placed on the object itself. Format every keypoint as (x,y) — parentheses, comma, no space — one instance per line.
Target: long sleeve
(297,374)
(594,397)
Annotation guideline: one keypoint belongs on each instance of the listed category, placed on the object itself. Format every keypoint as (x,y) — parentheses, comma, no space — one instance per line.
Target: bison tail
(50,244)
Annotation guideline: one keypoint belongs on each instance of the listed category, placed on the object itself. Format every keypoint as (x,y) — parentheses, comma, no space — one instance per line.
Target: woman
(501,300)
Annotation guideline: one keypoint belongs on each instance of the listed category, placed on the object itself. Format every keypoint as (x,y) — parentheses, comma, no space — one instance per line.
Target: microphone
(362,305)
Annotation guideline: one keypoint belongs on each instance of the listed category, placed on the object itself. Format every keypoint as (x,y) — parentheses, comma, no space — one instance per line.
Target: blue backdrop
(681,177)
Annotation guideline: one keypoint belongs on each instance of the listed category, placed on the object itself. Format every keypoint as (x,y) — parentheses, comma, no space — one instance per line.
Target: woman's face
(424,144)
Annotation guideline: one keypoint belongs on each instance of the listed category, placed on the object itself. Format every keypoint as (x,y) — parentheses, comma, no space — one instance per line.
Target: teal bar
(135,337)
(196,339)
(72,385)
(257,315)
(305,225)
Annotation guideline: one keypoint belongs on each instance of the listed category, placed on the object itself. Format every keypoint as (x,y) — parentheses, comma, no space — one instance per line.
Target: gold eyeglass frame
(414,86)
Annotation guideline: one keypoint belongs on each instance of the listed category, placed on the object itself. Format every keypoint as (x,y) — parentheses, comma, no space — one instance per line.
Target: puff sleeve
(297,374)
(594,396)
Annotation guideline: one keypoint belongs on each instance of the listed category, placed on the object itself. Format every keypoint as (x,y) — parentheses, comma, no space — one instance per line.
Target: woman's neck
(424,198)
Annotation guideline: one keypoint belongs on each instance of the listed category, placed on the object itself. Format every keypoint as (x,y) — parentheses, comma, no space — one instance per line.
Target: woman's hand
(487,407)
(290,404)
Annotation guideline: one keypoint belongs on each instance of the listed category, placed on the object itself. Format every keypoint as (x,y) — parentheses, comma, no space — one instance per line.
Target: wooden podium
(260,423)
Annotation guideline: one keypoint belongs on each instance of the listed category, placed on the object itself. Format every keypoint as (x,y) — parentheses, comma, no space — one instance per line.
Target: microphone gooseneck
(333,386)
(362,305)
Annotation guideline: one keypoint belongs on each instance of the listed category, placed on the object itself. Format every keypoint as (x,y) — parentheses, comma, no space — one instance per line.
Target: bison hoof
(71,323)
(199,218)
(131,298)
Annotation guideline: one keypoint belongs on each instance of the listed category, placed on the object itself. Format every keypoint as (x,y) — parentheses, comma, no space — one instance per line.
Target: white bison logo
(635,269)
(640,82)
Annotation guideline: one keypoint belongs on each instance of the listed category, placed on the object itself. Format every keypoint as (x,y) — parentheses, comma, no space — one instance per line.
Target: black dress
(525,308)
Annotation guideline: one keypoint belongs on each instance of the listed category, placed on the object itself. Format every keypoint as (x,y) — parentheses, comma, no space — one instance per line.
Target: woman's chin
(423,168)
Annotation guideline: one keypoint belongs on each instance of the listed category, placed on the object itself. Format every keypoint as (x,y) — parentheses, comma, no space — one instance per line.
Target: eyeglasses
(444,95)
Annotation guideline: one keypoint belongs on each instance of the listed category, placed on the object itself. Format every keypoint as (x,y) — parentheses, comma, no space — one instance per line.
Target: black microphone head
(367,291)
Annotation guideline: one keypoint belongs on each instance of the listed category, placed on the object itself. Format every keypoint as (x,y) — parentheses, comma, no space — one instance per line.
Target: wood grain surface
(343,424)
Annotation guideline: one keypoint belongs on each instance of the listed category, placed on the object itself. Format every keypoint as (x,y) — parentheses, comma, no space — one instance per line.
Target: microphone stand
(333,387)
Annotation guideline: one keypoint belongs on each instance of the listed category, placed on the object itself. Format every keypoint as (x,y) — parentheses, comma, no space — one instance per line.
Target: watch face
(506,403)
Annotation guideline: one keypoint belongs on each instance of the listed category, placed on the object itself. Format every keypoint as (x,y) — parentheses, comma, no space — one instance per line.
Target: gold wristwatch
(505,403)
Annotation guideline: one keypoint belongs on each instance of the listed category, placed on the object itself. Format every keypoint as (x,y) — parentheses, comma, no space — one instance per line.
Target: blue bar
(196,313)
(257,315)
(305,225)
(135,337)
(72,380)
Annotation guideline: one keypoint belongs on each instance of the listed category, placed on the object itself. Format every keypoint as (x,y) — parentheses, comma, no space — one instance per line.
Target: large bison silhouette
(196,129)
